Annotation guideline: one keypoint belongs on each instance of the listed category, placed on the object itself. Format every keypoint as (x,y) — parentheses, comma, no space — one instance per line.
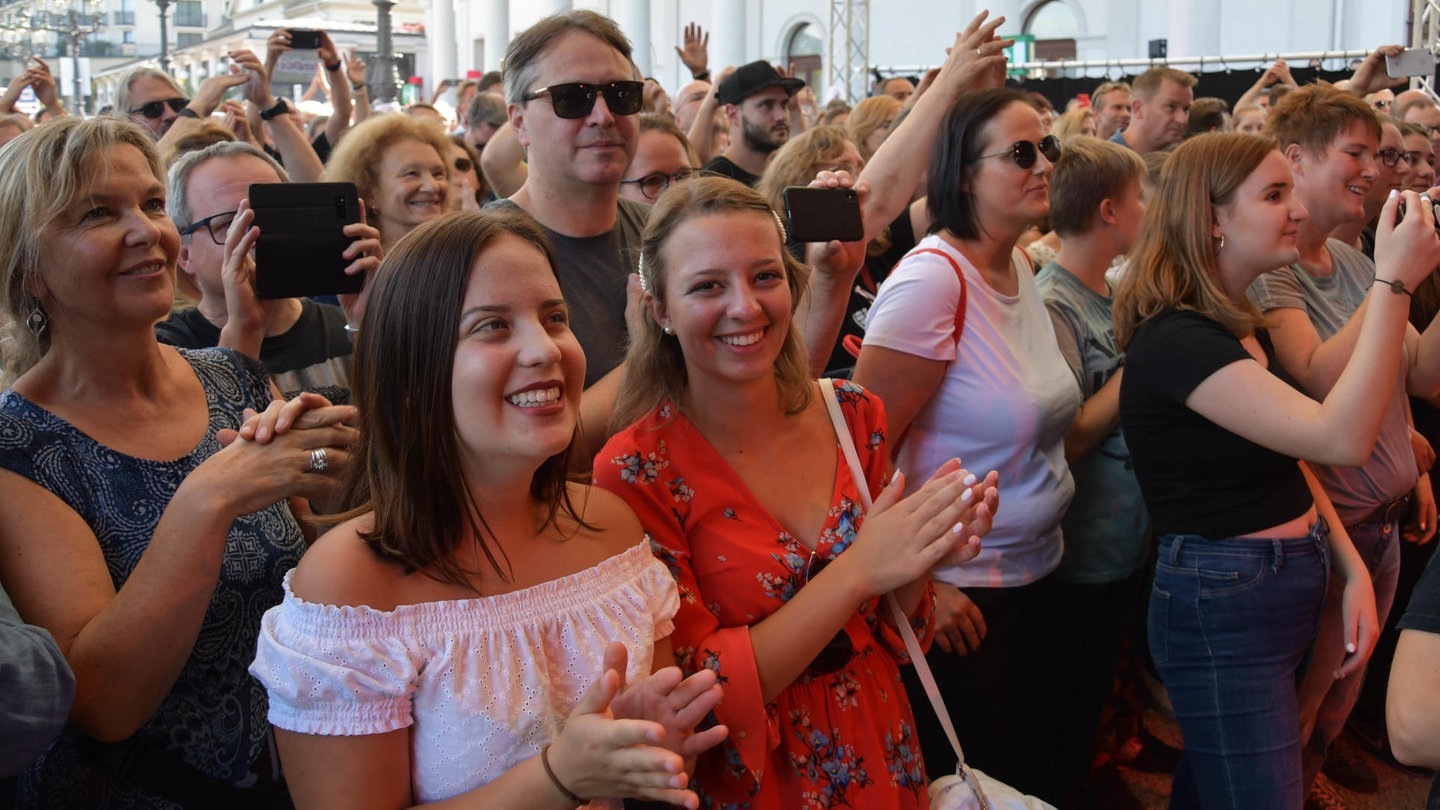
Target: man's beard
(759,139)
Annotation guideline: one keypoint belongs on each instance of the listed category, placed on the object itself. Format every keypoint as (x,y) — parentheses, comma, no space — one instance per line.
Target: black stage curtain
(1226,84)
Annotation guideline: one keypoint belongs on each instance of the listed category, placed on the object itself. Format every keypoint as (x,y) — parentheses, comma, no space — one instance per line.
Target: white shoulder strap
(897,614)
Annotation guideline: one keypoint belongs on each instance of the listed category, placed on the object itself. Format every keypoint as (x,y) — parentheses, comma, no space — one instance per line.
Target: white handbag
(968,788)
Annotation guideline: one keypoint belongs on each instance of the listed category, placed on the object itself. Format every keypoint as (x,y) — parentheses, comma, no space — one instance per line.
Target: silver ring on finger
(318,462)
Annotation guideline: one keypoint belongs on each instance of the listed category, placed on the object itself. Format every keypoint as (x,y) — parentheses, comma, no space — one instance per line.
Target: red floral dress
(843,739)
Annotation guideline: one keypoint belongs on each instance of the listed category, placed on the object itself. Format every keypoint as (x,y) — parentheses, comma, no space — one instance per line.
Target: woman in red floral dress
(733,466)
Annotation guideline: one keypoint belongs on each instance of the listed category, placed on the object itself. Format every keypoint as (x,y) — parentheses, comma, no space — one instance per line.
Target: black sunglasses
(577,99)
(1024,152)
(654,184)
(155,109)
(838,652)
(1391,156)
(463,165)
(217,225)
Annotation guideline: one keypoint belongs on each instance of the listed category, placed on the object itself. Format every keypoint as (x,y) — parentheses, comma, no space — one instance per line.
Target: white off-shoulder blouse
(485,682)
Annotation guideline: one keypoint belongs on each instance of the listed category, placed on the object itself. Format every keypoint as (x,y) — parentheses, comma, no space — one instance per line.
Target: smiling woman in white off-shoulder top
(476,609)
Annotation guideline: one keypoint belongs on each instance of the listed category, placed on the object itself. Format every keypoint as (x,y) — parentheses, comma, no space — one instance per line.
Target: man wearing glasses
(152,99)
(573,98)
(304,345)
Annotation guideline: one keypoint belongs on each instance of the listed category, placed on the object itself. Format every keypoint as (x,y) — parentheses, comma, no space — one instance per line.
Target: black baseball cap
(751,79)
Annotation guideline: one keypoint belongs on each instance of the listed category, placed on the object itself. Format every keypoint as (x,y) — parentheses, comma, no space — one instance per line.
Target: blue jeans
(1325,703)
(1231,623)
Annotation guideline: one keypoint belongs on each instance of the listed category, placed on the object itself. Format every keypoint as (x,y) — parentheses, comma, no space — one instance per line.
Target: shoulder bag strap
(902,623)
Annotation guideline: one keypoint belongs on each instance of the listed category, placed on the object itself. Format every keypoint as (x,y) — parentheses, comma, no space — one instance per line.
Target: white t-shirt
(482,683)
(1005,404)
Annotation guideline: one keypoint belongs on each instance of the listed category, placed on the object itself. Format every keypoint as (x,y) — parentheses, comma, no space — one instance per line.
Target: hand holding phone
(304,39)
(823,214)
(1410,62)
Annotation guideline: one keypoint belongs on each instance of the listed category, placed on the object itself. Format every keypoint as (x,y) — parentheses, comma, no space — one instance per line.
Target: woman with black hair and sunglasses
(960,348)
(730,459)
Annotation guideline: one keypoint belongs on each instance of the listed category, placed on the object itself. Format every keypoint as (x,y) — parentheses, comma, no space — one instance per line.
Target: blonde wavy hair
(43,172)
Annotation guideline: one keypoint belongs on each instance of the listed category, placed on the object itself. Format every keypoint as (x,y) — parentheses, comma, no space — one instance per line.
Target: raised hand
(694,53)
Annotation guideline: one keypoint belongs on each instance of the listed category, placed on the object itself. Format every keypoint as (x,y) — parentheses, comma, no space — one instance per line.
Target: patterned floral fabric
(843,739)
(214,717)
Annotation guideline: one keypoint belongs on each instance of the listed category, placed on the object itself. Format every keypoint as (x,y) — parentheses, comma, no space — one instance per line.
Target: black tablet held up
(302,238)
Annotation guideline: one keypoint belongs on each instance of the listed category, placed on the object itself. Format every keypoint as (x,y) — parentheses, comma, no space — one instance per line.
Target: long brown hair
(406,466)
(655,365)
(1173,265)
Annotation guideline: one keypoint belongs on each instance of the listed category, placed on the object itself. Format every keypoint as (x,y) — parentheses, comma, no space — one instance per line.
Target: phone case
(823,214)
(302,238)
(1410,62)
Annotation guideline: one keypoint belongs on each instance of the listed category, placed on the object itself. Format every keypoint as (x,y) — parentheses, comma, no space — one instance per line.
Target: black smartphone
(304,39)
(302,238)
(823,214)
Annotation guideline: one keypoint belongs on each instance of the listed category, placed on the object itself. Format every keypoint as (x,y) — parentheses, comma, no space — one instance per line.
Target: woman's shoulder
(341,569)
(609,526)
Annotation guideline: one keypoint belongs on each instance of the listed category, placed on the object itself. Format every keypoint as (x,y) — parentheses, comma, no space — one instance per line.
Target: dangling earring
(1220,246)
(37,321)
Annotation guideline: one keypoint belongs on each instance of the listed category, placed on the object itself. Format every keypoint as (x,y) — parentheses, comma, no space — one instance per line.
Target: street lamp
(164,34)
(389,84)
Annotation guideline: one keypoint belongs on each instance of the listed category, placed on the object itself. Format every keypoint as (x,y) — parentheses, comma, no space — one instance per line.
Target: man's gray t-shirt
(1330,301)
(593,271)
(1106,527)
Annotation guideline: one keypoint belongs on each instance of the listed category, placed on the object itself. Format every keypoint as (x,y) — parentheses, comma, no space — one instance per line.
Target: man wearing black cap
(756,98)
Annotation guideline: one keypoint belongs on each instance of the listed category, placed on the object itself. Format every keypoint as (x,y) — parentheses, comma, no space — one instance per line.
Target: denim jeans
(1325,703)
(1231,623)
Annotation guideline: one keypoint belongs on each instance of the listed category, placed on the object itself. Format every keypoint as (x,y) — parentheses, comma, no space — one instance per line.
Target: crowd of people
(599,491)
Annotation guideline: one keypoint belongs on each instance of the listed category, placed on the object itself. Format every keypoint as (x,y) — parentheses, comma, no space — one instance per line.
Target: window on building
(184,39)
(128,37)
(1055,28)
(189,13)
(804,52)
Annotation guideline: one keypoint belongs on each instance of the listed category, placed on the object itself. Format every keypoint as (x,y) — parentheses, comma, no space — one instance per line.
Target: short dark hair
(485,108)
(954,154)
(1207,115)
(406,466)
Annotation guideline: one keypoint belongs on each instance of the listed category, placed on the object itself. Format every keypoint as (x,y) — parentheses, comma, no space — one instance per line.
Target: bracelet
(188,113)
(702,76)
(1397,286)
(555,780)
(357,88)
(333,66)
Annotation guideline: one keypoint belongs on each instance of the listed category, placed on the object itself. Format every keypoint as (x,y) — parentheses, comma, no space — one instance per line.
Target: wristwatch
(280,108)
(188,113)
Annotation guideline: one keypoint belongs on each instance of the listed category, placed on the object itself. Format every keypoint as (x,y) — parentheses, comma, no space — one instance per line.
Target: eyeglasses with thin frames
(654,184)
(155,109)
(217,225)
(577,99)
(1024,153)
(1391,156)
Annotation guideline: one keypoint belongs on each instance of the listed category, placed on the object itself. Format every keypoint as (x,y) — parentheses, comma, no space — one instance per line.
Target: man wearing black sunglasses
(573,97)
(152,99)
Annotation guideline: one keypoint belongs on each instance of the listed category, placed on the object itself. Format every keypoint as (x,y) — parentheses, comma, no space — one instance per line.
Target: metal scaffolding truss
(849,48)
(1425,33)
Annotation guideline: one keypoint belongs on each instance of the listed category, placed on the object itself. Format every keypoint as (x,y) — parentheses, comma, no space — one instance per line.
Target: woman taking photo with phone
(455,638)
(961,350)
(731,461)
(1215,427)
